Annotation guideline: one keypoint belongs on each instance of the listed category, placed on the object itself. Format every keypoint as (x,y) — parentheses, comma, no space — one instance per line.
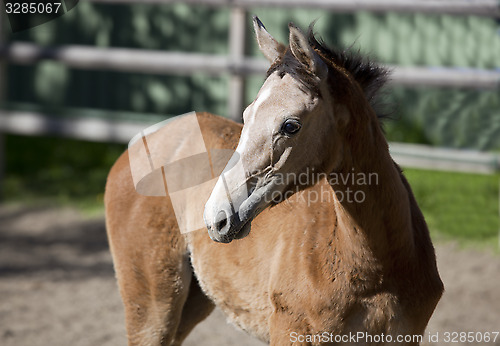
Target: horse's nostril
(220,220)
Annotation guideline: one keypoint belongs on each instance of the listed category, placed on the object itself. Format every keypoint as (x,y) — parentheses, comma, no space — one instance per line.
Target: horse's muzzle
(230,218)
(227,226)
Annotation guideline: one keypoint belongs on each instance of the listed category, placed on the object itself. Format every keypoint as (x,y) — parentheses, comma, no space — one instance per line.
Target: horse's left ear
(304,53)
(271,48)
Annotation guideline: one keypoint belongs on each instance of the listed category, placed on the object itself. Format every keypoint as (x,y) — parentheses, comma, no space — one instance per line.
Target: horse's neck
(373,207)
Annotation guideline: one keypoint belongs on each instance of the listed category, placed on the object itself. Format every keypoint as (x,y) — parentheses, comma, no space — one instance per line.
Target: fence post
(237,39)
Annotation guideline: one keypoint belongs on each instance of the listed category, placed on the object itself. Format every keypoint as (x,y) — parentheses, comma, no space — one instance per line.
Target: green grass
(459,206)
(57,172)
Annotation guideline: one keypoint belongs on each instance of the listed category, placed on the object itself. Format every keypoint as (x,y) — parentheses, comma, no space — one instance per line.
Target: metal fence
(239,66)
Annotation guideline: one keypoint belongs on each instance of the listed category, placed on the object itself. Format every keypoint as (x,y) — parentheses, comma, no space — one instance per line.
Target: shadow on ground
(38,241)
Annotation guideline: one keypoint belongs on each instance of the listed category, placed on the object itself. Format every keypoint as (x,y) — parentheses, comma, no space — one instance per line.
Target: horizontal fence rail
(456,160)
(157,62)
(106,130)
(489,8)
(446,76)
(31,123)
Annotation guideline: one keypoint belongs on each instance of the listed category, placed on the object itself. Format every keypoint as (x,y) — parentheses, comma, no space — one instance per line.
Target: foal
(355,265)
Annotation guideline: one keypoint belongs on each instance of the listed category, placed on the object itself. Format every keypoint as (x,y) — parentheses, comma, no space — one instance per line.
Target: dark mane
(343,65)
(370,76)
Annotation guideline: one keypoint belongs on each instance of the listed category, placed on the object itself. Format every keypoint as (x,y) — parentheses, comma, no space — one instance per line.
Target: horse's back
(132,217)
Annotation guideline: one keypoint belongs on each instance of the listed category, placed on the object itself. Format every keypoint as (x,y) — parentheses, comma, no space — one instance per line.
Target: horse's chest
(237,287)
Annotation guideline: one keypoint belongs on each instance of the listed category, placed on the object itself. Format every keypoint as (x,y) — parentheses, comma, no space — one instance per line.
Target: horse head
(287,131)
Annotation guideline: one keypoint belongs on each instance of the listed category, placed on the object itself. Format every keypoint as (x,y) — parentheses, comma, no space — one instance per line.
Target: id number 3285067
(32,7)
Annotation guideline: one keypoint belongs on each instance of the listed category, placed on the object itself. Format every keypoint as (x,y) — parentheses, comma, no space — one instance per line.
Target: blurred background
(73,91)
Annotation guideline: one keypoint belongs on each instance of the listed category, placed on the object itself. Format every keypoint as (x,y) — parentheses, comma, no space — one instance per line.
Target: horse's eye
(291,127)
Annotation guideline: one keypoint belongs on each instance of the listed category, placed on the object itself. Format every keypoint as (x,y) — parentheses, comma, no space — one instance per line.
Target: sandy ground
(57,287)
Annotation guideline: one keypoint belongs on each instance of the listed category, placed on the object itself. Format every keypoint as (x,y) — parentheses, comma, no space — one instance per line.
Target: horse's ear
(304,53)
(271,48)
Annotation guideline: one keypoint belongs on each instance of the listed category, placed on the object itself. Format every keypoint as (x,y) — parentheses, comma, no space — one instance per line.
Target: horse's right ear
(271,48)
(304,53)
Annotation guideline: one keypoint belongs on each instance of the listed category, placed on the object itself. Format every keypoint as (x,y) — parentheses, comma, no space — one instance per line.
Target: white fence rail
(157,62)
(107,130)
(425,156)
(85,128)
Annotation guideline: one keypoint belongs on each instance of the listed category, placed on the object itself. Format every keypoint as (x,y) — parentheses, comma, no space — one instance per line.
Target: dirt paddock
(57,287)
